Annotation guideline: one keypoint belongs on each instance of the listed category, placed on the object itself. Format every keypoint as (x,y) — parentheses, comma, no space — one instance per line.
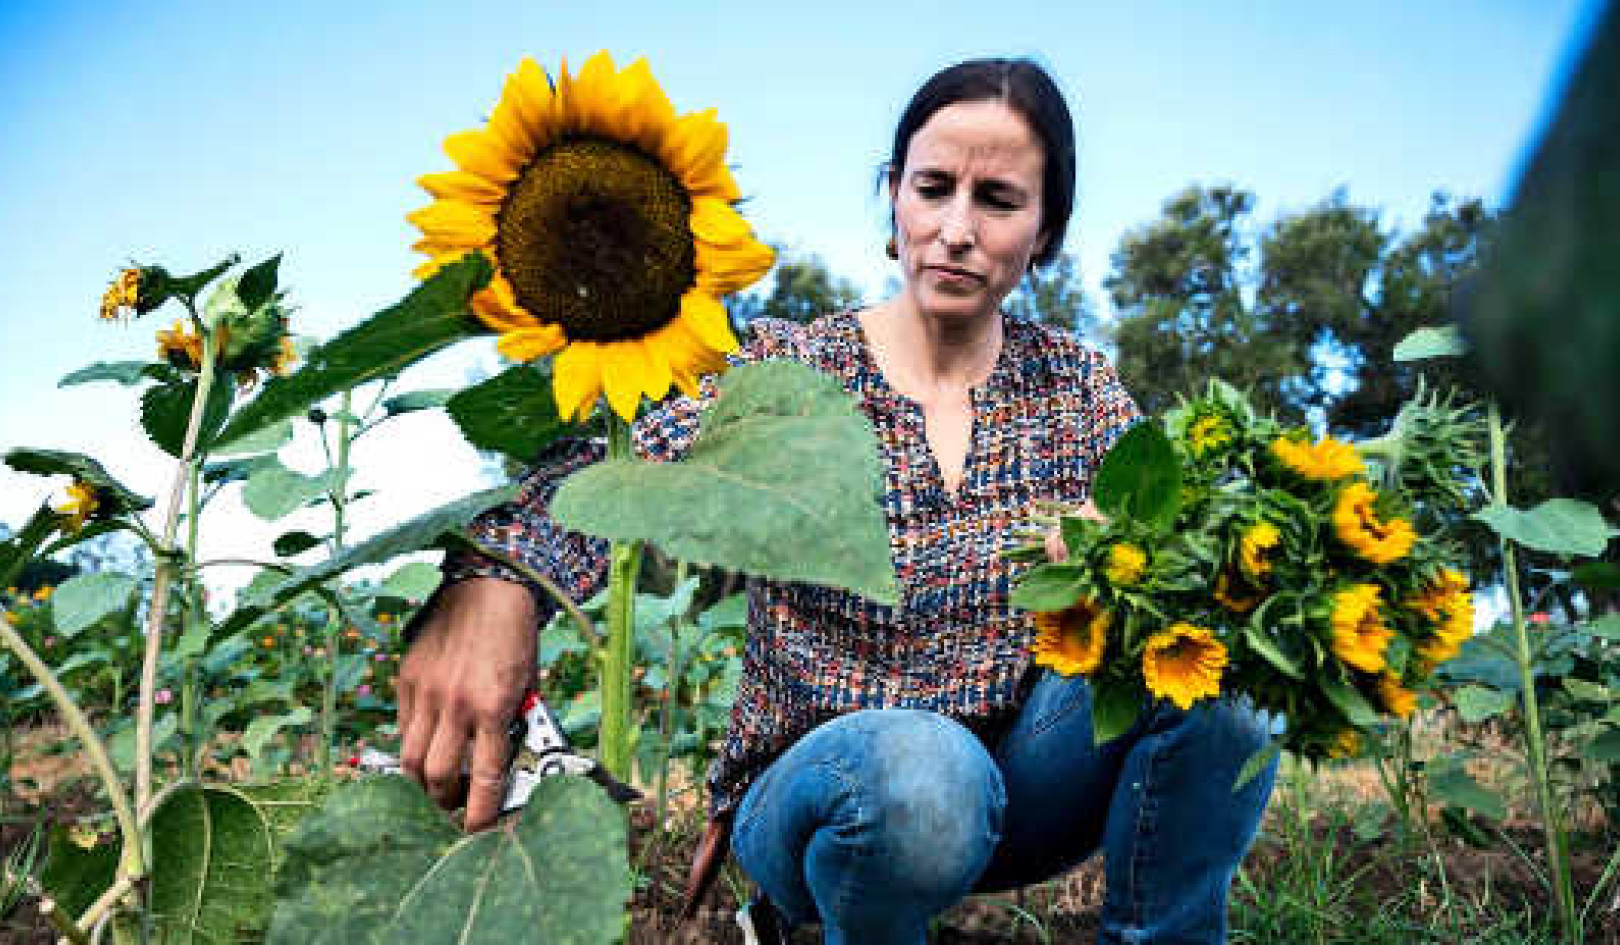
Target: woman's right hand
(463,681)
(1056,550)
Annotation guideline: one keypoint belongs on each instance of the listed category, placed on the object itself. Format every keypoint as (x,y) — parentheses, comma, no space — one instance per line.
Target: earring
(891,249)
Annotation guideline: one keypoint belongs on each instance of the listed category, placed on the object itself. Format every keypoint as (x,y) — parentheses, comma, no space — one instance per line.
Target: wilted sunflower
(1234,594)
(135,291)
(1448,608)
(1396,699)
(1126,562)
(1325,460)
(1183,663)
(1360,635)
(81,503)
(1357,525)
(180,346)
(609,221)
(1254,549)
(1072,640)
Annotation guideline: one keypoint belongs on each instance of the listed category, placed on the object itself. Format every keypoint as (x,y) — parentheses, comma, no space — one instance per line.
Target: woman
(884,762)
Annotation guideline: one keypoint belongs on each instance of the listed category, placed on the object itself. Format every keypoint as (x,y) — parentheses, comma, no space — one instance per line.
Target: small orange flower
(1326,460)
(1360,635)
(1183,663)
(1072,641)
(1357,525)
(1255,547)
(1396,698)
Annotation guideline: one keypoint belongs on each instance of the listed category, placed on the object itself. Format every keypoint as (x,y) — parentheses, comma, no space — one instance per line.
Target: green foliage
(379,863)
(782,482)
(166,411)
(513,413)
(1140,478)
(1426,343)
(1055,296)
(210,849)
(117,497)
(127,373)
(75,875)
(432,317)
(802,290)
(273,490)
(415,400)
(1556,526)
(81,601)
(266,440)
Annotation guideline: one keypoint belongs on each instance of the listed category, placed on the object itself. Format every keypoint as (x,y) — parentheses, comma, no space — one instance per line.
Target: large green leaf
(127,373)
(166,411)
(265,440)
(1347,700)
(783,482)
(1606,626)
(1426,343)
(211,852)
(412,401)
(1605,746)
(274,490)
(429,319)
(83,599)
(1048,587)
(265,727)
(421,532)
(1114,709)
(1453,784)
(1140,477)
(1477,703)
(58,463)
(513,413)
(379,863)
(19,549)
(75,876)
(1556,526)
(412,581)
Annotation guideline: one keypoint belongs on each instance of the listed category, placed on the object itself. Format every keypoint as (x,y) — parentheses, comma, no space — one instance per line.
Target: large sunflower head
(1183,663)
(1360,635)
(1447,607)
(609,220)
(1072,640)
(1325,460)
(180,346)
(1358,524)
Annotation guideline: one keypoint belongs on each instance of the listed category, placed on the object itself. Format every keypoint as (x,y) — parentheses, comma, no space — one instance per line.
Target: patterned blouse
(1041,422)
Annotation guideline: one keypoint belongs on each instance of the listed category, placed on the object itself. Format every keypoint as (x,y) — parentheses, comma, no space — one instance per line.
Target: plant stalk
(617,655)
(157,613)
(334,620)
(1557,842)
(194,613)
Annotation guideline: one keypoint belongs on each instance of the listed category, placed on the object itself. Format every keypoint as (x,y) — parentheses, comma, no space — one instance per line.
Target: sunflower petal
(714,221)
(626,375)
(576,379)
(462,186)
(589,103)
(496,305)
(480,153)
(695,150)
(529,344)
(706,317)
(452,221)
(725,269)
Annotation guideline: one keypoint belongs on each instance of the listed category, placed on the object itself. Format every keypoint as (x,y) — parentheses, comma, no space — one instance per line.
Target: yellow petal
(647,112)
(627,373)
(528,344)
(479,153)
(452,221)
(706,317)
(589,102)
(462,186)
(496,305)
(714,221)
(532,96)
(576,379)
(723,269)
(695,149)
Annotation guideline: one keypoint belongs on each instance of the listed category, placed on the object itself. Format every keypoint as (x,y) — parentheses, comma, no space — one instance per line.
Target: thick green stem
(190,734)
(132,861)
(1557,841)
(617,655)
(157,614)
(334,620)
(674,667)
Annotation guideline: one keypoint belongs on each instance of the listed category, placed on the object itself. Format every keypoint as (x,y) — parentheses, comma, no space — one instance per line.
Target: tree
(802,290)
(1055,296)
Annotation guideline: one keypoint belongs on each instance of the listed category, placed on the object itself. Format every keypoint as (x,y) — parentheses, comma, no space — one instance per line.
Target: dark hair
(1027,89)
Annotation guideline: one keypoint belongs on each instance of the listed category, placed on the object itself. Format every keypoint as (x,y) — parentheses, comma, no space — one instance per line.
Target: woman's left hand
(1056,550)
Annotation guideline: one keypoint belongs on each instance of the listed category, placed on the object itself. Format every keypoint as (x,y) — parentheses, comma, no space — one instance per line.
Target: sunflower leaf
(86,598)
(432,317)
(166,412)
(210,846)
(421,532)
(81,467)
(1256,763)
(127,373)
(412,401)
(1048,587)
(258,284)
(1556,526)
(1114,708)
(265,440)
(1426,343)
(1348,701)
(1140,478)
(513,413)
(782,482)
(380,863)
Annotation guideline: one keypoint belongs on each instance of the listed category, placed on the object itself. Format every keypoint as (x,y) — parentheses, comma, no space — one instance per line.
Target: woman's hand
(1056,550)
(463,680)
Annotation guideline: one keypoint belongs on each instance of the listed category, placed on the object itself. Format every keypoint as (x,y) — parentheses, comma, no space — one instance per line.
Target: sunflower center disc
(594,236)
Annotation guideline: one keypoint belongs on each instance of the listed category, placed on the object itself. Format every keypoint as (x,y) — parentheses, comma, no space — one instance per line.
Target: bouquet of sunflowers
(1245,558)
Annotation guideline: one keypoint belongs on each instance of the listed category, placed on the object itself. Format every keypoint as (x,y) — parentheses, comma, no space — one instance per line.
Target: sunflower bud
(135,292)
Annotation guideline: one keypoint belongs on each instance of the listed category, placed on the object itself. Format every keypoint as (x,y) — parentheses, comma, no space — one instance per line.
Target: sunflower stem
(617,655)
(1557,843)
(334,622)
(157,612)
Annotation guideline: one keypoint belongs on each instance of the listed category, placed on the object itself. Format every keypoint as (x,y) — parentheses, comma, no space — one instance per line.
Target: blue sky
(178,132)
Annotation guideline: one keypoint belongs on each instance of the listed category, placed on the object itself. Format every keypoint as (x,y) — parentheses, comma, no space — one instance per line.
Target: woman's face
(967,208)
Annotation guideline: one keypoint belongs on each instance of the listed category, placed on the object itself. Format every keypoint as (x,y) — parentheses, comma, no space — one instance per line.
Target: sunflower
(1255,546)
(1360,634)
(1234,594)
(82,503)
(1346,743)
(1325,460)
(1396,698)
(135,291)
(180,346)
(1071,641)
(1448,608)
(1126,562)
(1208,434)
(609,221)
(1356,523)
(1183,663)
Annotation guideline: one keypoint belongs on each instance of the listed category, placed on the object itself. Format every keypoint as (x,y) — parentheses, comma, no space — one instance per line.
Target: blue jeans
(877,821)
